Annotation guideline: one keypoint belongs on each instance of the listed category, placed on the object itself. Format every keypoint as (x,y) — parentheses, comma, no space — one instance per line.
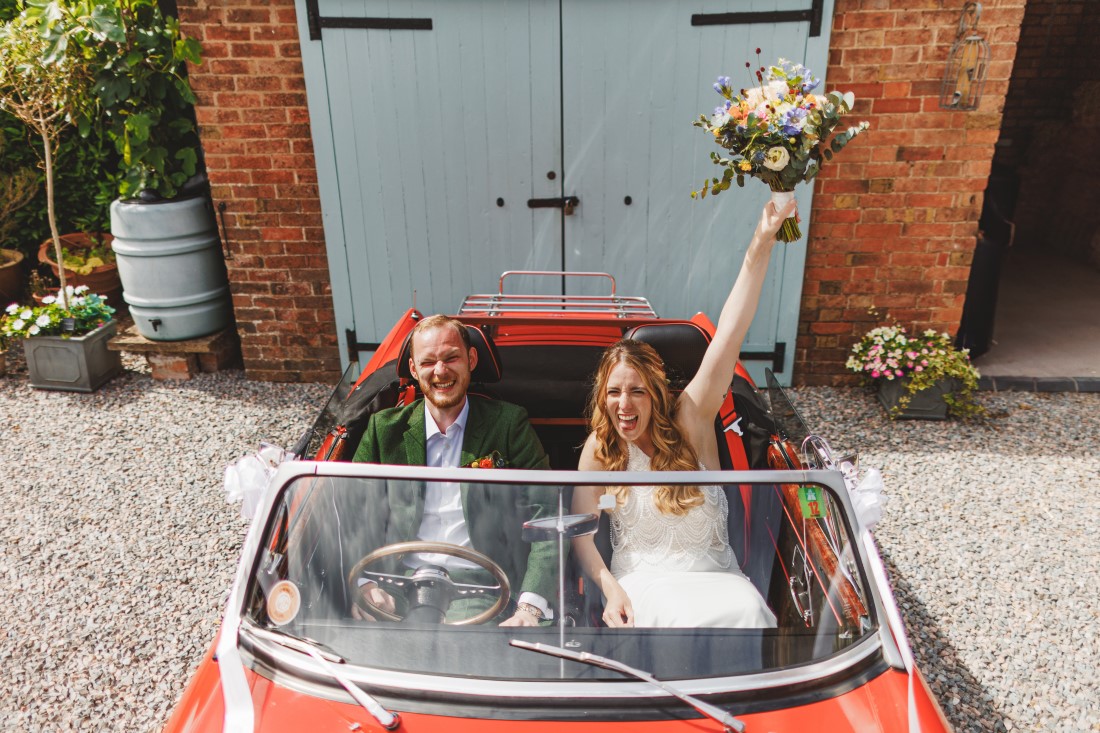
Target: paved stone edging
(1039,384)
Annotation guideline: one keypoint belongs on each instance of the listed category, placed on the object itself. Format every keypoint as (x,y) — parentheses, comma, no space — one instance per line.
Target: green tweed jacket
(494,515)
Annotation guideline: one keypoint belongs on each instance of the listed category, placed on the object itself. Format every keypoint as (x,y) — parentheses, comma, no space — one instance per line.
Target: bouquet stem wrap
(790,230)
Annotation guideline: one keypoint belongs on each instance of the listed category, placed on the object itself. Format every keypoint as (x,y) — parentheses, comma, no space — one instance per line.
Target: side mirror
(570,525)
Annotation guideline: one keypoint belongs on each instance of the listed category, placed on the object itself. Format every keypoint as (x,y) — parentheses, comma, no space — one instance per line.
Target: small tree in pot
(47,93)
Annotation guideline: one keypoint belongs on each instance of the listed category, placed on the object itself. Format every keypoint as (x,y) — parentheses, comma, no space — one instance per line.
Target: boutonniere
(493,460)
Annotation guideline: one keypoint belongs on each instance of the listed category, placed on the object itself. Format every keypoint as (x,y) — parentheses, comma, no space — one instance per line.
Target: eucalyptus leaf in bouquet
(778,131)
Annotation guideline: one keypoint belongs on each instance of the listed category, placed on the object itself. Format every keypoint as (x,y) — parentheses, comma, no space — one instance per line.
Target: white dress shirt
(444,520)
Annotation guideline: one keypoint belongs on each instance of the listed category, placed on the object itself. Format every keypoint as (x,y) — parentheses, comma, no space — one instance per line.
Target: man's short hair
(437,321)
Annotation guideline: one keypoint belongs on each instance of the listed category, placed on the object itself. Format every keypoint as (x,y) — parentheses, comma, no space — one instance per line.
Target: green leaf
(189,161)
(827,153)
(138,126)
(849,100)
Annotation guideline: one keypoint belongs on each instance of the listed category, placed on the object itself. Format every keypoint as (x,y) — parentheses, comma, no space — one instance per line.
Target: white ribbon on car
(867,497)
(240,717)
(248,476)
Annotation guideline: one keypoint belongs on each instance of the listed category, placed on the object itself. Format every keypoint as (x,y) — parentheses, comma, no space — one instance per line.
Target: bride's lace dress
(679,570)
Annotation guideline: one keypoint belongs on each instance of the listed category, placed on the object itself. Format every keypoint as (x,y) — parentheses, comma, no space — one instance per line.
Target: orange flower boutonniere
(493,460)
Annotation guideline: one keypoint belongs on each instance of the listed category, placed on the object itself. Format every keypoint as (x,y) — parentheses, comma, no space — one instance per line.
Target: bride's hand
(771,219)
(617,611)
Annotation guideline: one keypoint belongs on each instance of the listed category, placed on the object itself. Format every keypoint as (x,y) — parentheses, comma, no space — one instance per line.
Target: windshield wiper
(328,660)
(727,721)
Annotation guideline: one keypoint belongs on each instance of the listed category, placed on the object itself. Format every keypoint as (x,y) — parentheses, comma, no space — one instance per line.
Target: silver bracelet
(530,608)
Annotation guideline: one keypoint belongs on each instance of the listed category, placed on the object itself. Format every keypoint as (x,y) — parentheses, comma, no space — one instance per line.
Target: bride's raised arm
(703,395)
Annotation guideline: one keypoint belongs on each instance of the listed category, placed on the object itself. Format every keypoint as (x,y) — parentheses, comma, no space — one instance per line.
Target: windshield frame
(295,669)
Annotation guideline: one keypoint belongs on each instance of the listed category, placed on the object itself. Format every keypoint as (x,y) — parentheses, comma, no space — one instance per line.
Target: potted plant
(47,93)
(922,376)
(65,340)
(89,260)
(166,239)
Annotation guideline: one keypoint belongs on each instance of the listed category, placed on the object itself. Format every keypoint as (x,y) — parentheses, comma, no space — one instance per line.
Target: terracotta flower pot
(11,275)
(103,280)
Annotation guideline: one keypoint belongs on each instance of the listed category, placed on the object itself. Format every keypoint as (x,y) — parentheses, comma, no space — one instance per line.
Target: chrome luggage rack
(501,303)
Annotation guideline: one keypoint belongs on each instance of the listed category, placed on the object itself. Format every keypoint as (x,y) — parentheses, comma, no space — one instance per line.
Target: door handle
(566,203)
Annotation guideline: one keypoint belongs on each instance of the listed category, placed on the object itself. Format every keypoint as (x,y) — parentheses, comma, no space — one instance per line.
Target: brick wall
(896,214)
(1052,104)
(254,124)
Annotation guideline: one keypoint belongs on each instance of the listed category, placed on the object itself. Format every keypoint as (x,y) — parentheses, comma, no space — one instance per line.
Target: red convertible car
(293,653)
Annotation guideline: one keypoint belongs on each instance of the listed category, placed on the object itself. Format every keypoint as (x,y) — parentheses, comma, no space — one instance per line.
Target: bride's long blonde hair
(671,450)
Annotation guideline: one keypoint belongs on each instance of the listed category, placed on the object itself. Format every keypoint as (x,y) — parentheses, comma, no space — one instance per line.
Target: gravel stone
(117,546)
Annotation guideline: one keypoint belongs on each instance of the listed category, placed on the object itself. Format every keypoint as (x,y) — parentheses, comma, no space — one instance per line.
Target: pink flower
(924,362)
(918,368)
(875,374)
(899,372)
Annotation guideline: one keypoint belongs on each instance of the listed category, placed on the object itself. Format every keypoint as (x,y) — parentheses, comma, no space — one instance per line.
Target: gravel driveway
(117,546)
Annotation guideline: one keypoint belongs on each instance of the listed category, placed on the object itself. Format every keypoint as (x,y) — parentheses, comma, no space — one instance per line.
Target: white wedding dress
(680,570)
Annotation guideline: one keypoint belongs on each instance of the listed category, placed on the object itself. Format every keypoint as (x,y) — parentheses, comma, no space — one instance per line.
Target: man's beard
(444,401)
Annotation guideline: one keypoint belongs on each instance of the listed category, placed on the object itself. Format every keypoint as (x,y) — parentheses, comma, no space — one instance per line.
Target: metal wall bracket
(354,346)
(316,22)
(777,357)
(813,14)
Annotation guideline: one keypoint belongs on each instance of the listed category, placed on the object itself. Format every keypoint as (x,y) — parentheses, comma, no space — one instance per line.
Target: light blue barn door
(436,122)
(636,73)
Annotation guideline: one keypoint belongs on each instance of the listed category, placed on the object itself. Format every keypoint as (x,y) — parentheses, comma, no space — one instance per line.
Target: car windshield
(418,575)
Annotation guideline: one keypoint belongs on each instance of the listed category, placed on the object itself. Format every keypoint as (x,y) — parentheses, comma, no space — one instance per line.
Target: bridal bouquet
(777,131)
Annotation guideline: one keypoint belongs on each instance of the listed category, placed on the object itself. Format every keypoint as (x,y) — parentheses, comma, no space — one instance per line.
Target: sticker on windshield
(283,602)
(812,501)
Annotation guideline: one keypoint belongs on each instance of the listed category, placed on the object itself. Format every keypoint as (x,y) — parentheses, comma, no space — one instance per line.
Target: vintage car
(295,654)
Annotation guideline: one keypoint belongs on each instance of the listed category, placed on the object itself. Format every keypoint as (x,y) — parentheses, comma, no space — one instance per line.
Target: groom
(450,428)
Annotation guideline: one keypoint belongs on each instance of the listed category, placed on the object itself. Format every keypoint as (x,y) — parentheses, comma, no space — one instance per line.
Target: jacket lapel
(416,452)
(472,440)
(474,437)
(407,497)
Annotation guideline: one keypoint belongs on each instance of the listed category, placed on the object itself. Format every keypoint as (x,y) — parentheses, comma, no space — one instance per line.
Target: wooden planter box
(78,364)
(928,404)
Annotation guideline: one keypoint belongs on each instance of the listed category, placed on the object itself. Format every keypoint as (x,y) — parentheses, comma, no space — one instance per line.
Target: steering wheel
(430,586)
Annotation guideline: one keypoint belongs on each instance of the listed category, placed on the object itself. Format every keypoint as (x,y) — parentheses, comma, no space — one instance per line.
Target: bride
(672,563)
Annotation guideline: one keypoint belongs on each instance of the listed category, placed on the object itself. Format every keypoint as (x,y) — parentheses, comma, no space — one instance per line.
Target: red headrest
(680,345)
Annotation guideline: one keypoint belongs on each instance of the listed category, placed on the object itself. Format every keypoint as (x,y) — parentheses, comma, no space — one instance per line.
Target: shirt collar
(431,429)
